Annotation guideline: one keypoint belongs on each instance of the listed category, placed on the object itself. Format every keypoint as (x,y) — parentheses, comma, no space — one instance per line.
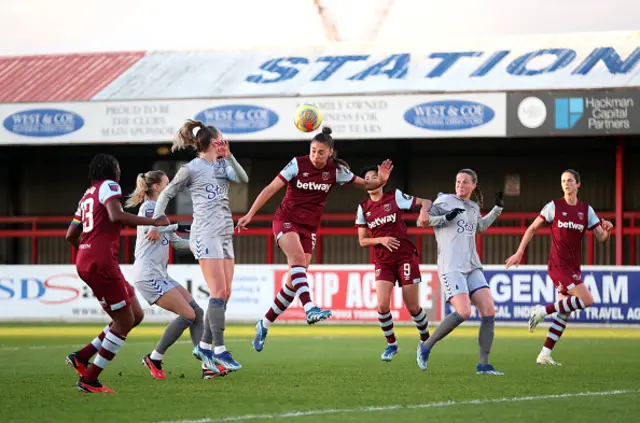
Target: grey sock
(445,327)
(215,313)
(485,338)
(172,333)
(207,336)
(196,329)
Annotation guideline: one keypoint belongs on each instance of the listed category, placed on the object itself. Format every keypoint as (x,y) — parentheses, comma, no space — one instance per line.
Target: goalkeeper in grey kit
(456,220)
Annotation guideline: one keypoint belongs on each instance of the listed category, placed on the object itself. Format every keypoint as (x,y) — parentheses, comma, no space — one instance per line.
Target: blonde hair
(477,193)
(200,141)
(144,186)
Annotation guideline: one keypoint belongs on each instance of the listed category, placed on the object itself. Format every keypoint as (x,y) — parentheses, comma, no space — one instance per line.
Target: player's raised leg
(383,293)
(578,298)
(291,245)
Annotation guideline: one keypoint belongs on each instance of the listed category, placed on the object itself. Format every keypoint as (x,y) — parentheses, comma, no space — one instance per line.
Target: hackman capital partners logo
(568,112)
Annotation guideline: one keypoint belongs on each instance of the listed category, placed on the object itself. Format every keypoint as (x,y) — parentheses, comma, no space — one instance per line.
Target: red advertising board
(350,292)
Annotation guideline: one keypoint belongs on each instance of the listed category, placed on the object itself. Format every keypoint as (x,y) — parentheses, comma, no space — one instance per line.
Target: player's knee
(414,309)
(138,316)
(296,259)
(464,313)
(587,299)
(383,308)
(189,313)
(487,310)
(219,292)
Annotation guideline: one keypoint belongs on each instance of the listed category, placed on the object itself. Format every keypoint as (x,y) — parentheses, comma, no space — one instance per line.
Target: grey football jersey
(457,239)
(151,258)
(208,184)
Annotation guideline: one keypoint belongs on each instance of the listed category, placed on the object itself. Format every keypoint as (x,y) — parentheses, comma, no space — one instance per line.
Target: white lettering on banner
(633,313)
(532,288)
(608,113)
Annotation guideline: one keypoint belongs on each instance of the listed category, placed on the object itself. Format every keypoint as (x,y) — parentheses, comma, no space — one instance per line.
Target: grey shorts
(463,283)
(154,289)
(220,247)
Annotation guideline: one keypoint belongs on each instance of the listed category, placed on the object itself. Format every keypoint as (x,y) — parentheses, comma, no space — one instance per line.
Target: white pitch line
(400,407)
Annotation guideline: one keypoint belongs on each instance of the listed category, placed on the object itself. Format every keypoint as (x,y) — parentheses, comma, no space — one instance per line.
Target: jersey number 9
(87,215)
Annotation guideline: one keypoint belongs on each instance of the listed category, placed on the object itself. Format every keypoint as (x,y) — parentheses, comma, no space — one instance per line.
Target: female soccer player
(207,178)
(569,218)
(95,232)
(151,278)
(396,258)
(309,180)
(456,220)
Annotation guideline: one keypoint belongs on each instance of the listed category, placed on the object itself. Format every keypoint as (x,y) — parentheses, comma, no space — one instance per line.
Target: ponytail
(137,196)
(144,187)
(479,197)
(326,138)
(195,135)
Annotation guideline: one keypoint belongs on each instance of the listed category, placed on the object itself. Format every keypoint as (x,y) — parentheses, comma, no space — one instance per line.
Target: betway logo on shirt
(382,220)
(313,186)
(570,225)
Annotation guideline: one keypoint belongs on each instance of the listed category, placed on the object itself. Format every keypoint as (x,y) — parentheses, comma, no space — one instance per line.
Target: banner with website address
(55,293)
(259,119)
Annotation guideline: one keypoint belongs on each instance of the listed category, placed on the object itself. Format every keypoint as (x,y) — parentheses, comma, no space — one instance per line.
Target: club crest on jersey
(377,272)
(305,175)
(580,216)
(326,176)
(114,187)
(149,213)
(387,208)
(287,225)
(576,276)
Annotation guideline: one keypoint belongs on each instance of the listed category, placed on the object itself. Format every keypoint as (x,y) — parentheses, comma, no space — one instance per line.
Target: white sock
(266,323)
(219,350)
(545,351)
(394,344)
(308,306)
(155,355)
(205,346)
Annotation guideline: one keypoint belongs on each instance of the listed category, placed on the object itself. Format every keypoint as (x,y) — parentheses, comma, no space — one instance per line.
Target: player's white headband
(195,131)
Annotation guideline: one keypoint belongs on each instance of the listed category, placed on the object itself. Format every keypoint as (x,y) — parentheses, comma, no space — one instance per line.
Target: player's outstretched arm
(384,171)
(515,259)
(264,196)
(492,216)
(118,215)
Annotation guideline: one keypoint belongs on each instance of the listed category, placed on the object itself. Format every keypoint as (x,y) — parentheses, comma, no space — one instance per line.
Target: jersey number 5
(87,215)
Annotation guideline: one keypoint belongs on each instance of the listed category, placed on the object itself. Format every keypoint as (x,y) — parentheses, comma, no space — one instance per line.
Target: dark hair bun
(326,130)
